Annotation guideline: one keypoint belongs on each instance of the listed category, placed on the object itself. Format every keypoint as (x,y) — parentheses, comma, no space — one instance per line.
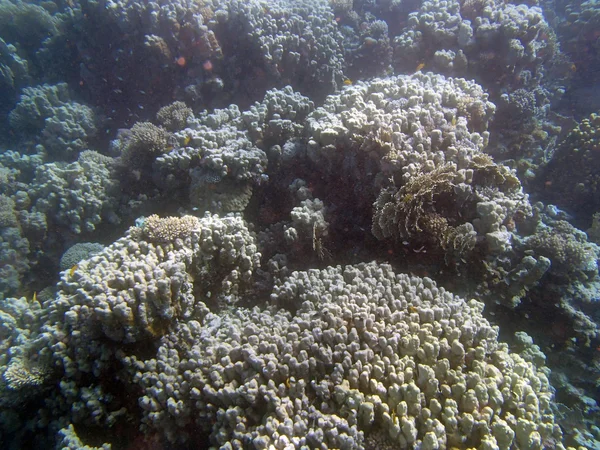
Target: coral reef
(221,155)
(292,42)
(14,249)
(221,221)
(26,24)
(389,352)
(14,74)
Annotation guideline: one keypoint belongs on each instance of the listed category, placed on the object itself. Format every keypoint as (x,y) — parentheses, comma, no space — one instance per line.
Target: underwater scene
(300,224)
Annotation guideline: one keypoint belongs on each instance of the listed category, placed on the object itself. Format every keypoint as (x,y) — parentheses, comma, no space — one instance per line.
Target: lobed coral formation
(477,37)
(65,125)
(404,124)
(125,308)
(576,27)
(296,43)
(77,196)
(222,153)
(368,349)
(14,248)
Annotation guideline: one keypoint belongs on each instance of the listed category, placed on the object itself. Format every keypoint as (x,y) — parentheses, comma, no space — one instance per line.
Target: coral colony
(299,224)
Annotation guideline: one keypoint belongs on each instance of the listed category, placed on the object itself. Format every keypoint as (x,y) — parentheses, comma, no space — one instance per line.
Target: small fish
(73,269)
(35,296)
(419,67)
(348,82)
(187,140)
(454,121)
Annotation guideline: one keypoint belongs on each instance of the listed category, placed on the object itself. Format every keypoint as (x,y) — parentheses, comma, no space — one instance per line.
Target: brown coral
(417,211)
(174,116)
(164,230)
(144,142)
(158,49)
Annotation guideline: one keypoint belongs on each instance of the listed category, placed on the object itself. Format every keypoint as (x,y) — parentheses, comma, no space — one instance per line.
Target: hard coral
(168,229)
(342,354)
(174,116)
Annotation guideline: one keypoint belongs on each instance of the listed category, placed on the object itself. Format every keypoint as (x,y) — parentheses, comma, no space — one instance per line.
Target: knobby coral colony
(250,261)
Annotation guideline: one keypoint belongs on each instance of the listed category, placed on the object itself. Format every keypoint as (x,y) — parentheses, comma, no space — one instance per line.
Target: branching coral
(164,230)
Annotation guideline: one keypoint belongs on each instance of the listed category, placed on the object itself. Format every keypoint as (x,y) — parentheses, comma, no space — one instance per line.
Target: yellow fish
(348,82)
(187,140)
(419,67)
(73,269)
